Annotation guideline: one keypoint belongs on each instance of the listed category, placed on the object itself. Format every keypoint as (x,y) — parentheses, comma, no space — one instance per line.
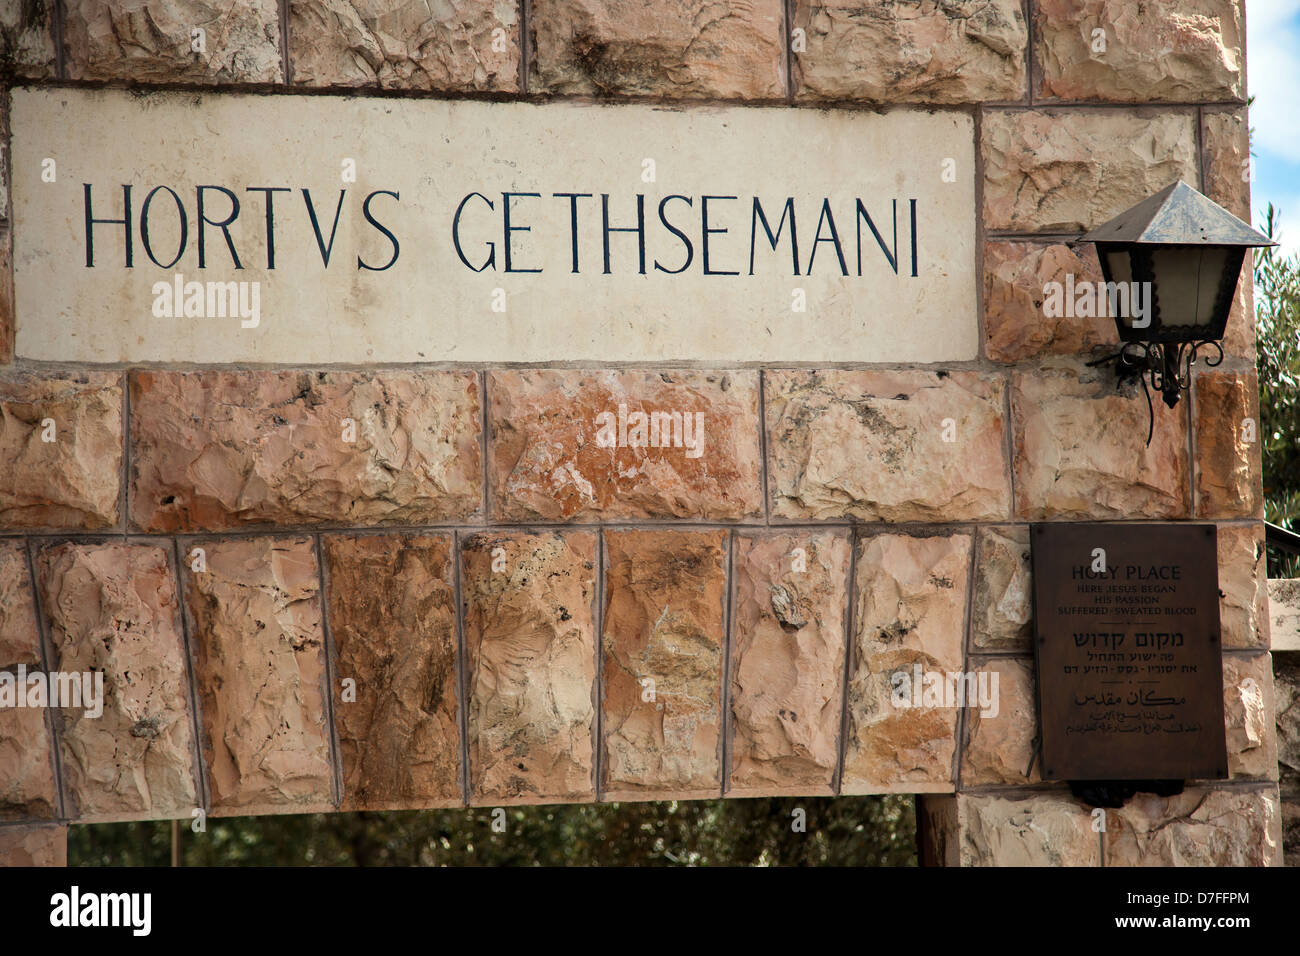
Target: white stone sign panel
(210,228)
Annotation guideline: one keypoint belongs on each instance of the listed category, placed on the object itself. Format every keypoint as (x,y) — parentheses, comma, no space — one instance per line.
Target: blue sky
(1273,78)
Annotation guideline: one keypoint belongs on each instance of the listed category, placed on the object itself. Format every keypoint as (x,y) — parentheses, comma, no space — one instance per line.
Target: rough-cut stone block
(60,449)
(1236,827)
(1226,419)
(1000,738)
(1178,51)
(392,613)
(913,53)
(909,614)
(27,788)
(1286,692)
(1002,600)
(939,830)
(1243,580)
(1239,336)
(1286,724)
(1248,711)
(608,445)
(215,450)
(153,41)
(1225,146)
(27,39)
(395,44)
(665,608)
(1017,323)
(689,50)
(789,604)
(33,846)
(1070,170)
(112,611)
(20,641)
(1284,613)
(1042,829)
(260,670)
(887,446)
(1079,448)
(530,654)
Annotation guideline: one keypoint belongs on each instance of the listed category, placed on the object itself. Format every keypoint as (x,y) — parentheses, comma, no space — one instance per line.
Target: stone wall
(471,604)
(1284,606)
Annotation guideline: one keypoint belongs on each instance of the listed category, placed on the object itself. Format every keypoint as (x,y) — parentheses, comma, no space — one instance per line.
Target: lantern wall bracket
(1165,366)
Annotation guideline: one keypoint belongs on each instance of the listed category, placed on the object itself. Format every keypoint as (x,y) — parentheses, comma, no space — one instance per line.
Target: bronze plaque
(1126,639)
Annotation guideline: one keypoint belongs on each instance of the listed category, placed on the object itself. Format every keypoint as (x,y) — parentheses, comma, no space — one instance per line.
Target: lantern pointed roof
(1178,215)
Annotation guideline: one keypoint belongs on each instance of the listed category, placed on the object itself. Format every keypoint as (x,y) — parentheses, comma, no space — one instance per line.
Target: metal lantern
(1171,265)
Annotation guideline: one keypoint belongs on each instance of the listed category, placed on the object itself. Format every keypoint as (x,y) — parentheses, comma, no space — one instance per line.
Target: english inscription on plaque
(1130,681)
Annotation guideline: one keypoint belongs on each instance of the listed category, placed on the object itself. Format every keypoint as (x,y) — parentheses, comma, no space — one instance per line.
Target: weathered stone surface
(463,45)
(1228,470)
(27,788)
(34,846)
(665,605)
(914,53)
(1284,613)
(112,610)
(1016,322)
(27,39)
(20,641)
(1003,596)
(872,445)
(1286,691)
(530,651)
(1243,578)
(789,604)
(1239,335)
(1248,715)
(691,49)
(260,669)
(75,480)
(939,830)
(1236,827)
(556,457)
(1079,448)
(1070,170)
(1167,50)
(214,450)
(909,611)
(1044,829)
(153,41)
(1000,744)
(392,614)
(1291,832)
(6,295)
(1225,152)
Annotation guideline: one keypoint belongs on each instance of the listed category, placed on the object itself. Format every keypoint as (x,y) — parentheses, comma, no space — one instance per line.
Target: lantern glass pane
(1214,266)
(1187,282)
(1120,268)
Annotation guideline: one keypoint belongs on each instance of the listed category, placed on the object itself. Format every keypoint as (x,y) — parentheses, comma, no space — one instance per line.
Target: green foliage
(1277,316)
(843,831)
